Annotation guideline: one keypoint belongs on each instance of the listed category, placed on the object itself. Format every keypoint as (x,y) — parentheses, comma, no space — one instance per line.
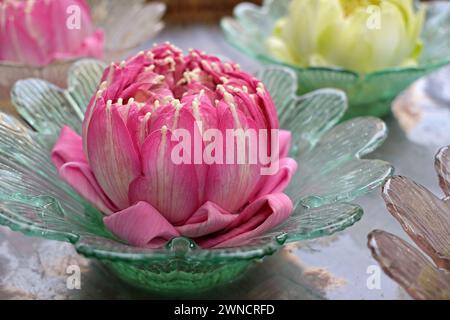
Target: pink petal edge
(278,182)
(79,176)
(141,225)
(111,154)
(285,138)
(68,148)
(208,219)
(171,188)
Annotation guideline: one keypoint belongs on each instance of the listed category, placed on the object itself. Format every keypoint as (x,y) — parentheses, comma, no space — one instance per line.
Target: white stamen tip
(221,88)
(120,101)
(229,100)
(130,101)
(177,104)
(164,129)
(228,67)
(160,79)
(166,100)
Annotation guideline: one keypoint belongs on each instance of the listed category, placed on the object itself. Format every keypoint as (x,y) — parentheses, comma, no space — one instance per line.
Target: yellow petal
(361,35)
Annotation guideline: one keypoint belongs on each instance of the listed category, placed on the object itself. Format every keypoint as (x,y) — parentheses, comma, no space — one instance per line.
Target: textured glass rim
(183,248)
(188,249)
(366,76)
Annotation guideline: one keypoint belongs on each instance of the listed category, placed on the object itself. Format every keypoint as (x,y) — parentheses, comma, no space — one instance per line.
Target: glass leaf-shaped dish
(369,94)
(34,201)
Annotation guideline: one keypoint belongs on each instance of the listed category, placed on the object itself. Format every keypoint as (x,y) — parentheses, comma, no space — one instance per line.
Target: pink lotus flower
(123,162)
(38,32)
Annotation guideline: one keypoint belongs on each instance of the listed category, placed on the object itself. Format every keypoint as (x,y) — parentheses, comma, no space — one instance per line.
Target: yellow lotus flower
(360,35)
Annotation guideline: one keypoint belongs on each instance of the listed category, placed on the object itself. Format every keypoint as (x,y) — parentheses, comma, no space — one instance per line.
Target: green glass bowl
(369,94)
(34,201)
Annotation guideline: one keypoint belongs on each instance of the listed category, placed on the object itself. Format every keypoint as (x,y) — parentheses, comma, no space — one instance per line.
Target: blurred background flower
(426,219)
(42,38)
(39,32)
(346,45)
(362,36)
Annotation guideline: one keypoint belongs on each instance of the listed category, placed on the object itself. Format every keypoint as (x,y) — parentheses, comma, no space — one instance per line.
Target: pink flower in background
(123,162)
(38,32)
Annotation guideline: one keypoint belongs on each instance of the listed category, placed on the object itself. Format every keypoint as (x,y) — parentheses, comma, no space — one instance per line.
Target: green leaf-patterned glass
(369,94)
(34,201)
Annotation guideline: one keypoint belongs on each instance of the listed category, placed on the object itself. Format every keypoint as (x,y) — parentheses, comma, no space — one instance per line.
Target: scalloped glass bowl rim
(267,245)
(190,250)
(195,254)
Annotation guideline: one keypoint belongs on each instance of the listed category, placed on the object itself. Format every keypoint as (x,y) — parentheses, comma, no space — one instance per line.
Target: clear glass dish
(369,94)
(331,173)
(422,270)
(121,39)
